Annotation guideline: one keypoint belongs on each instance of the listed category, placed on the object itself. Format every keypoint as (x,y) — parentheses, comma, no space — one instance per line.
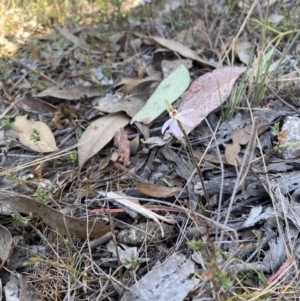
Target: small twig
(194,161)
(282,100)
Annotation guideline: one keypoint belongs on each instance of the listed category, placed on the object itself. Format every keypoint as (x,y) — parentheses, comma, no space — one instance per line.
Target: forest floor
(150,152)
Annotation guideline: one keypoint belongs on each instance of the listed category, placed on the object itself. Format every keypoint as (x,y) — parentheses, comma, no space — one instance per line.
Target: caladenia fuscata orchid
(175,124)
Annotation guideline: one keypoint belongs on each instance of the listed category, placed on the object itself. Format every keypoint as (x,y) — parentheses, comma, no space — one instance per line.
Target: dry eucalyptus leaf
(36,105)
(181,49)
(128,84)
(74,93)
(35,134)
(208,92)
(157,191)
(98,134)
(58,221)
(5,245)
(117,103)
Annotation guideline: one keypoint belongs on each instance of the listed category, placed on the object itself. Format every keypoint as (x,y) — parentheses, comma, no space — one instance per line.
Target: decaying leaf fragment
(241,137)
(35,134)
(123,147)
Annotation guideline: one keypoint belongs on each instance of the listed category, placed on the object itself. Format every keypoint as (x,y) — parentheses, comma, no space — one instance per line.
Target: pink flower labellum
(173,124)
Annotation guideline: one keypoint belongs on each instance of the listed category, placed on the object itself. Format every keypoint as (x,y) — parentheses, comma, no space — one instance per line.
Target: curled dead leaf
(123,147)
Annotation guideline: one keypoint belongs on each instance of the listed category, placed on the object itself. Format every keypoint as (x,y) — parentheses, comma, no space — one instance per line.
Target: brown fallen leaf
(67,225)
(127,85)
(122,144)
(35,134)
(98,134)
(241,137)
(182,50)
(35,105)
(231,154)
(75,93)
(157,191)
(116,103)
(5,245)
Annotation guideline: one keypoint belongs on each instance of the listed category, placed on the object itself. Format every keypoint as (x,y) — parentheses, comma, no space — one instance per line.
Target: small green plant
(212,271)
(8,124)
(22,220)
(195,245)
(42,194)
(10,176)
(35,136)
(73,157)
(131,263)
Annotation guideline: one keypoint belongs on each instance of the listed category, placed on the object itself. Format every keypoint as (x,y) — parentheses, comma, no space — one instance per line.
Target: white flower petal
(186,121)
(175,129)
(184,112)
(166,125)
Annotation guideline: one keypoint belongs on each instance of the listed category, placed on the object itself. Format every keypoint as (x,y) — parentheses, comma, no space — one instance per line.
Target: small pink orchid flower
(172,123)
(143,2)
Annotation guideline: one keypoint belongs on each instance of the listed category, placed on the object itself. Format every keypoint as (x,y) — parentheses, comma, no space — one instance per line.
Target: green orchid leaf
(171,88)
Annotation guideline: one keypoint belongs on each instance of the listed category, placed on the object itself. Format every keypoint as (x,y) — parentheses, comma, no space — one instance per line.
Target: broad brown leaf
(98,134)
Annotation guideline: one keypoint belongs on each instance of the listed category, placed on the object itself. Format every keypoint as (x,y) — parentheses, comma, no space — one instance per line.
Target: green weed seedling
(22,220)
(35,136)
(212,272)
(73,157)
(8,124)
(42,194)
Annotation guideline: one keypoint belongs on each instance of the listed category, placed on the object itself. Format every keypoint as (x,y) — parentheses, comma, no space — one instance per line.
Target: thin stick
(194,161)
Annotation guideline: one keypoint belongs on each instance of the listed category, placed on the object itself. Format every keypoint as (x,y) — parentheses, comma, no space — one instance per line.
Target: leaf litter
(104,92)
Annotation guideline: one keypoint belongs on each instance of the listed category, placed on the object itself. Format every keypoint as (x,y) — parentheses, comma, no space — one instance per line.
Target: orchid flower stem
(194,161)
